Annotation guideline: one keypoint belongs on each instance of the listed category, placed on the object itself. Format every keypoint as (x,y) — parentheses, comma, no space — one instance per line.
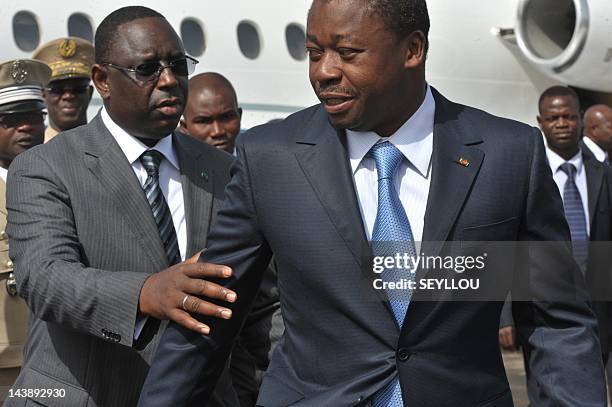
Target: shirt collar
(555,161)
(599,153)
(414,139)
(133,148)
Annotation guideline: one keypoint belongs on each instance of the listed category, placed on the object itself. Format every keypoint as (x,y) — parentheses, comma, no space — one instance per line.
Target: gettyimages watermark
(486,271)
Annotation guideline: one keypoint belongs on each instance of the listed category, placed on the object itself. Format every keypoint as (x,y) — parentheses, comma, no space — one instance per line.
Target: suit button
(9,264)
(3,235)
(403,354)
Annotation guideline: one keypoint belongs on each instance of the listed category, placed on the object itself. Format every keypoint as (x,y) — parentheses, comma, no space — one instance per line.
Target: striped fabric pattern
(574,214)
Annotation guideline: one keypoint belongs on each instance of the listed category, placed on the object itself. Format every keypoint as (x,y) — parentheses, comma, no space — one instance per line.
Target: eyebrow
(336,37)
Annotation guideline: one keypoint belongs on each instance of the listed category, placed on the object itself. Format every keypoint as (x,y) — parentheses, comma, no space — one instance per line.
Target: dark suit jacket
(598,272)
(83,240)
(292,194)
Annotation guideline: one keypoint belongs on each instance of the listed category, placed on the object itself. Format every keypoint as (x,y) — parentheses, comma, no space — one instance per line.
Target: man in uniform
(69,92)
(212,113)
(21,127)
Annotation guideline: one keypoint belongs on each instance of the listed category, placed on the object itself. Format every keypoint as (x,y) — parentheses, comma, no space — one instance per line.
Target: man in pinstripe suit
(99,261)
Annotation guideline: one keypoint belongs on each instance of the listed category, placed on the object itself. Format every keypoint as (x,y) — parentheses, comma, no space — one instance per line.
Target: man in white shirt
(598,133)
(583,184)
(104,219)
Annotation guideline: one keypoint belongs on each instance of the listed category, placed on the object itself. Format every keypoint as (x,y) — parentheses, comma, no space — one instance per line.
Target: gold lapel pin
(463,161)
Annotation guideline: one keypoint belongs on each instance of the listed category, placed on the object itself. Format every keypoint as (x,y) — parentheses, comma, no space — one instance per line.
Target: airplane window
(193,37)
(79,25)
(25,31)
(248,40)
(296,41)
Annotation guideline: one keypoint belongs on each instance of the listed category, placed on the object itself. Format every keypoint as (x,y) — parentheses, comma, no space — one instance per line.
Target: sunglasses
(15,119)
(150,71)
(60,90)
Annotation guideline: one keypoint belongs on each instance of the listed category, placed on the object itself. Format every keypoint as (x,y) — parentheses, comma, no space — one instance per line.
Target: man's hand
(507,338)
(173,294)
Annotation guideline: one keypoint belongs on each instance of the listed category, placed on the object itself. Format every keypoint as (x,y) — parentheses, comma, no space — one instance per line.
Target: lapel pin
(204,174)
(463,161)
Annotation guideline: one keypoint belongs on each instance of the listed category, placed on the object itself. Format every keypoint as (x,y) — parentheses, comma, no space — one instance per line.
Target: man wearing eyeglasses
(103,222)
(69,92)
(21,127)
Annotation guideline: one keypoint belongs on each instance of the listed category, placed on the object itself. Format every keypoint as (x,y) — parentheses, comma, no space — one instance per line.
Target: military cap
(69,57)
(21,84)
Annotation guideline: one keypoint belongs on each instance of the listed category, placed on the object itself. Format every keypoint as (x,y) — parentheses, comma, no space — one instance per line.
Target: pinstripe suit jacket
(83,241)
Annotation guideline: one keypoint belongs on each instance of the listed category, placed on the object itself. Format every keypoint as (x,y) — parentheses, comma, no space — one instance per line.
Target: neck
(149,142)
(566,153)
(5,162)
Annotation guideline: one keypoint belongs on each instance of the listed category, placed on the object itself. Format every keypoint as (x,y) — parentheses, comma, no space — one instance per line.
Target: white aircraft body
(495,55)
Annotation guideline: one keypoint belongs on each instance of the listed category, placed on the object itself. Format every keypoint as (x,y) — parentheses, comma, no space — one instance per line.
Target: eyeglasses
(150,71)
(15,119)
(59,90)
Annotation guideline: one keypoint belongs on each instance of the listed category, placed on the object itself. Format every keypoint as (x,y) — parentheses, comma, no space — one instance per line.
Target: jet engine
(568,40)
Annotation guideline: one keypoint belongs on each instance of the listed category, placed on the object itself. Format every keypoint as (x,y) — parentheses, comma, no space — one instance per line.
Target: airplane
(495,55)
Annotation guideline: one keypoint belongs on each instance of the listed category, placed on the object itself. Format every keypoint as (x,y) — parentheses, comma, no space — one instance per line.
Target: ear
(240,113)
(539,119)
(90,94)
(415,46)
(183,126)
(99,77)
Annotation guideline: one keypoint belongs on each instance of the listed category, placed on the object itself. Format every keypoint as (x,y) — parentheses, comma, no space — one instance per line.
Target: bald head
(598,125)
(212,113)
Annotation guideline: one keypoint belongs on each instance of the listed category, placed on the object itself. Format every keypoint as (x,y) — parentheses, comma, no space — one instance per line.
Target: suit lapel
(108,164)
(196,180)
(327,168)
(594,177)
(455,164)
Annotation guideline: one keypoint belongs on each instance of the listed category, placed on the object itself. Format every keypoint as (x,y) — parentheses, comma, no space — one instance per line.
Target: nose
(167,78)
(68,94)
(327,70)
(216,129)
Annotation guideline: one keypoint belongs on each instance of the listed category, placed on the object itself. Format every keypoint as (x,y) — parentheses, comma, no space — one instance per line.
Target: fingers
(208,289)
(203,270)
(183,318)
(193,259)
(193,304)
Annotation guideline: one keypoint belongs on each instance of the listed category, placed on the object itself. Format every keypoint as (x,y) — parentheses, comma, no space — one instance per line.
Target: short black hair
(558,91)
(402,16)
(106,33)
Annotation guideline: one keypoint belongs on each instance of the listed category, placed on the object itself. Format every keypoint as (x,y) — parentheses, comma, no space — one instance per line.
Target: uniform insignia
(67,48)
(18,72)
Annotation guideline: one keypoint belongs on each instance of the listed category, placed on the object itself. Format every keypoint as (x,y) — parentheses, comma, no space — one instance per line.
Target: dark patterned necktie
(150,160)
(574,214)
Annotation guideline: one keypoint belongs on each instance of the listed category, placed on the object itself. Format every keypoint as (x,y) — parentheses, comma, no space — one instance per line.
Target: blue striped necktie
(391,235)
(574,214)
(151,160)
(606,161)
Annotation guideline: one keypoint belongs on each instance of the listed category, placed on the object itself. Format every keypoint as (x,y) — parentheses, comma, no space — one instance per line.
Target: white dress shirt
(599,153)
(169,174)
(413,176)
(555,161)
(3,173)
(169,182)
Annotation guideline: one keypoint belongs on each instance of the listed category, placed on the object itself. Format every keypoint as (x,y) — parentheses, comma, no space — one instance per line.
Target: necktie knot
(151,159)
(569,169)
(387,158)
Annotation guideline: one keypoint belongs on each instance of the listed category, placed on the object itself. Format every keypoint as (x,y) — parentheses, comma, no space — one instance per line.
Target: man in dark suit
(102,219)
(597,139)
(583,183)
(386,158)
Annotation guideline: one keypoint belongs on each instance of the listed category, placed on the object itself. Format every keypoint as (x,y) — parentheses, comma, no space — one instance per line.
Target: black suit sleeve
(187,365)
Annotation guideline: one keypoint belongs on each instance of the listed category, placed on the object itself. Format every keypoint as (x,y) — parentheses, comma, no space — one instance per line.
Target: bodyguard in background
(69,92)
(597,140)
(21,127)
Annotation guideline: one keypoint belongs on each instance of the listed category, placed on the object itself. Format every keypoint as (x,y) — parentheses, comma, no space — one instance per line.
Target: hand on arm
(176,292)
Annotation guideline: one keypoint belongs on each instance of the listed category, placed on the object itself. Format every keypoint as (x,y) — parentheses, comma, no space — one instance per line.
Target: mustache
(335,89)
